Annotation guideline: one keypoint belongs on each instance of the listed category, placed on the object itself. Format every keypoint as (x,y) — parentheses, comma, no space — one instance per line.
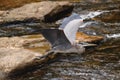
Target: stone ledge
(35,12)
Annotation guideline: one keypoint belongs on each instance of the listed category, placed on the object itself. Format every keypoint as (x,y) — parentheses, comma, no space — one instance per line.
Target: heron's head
(78,22)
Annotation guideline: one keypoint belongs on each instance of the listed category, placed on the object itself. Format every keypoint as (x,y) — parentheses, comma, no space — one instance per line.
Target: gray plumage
(59,41)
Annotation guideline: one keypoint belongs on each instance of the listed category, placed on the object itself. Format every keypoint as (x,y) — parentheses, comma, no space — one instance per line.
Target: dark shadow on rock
(37,63)
(59,13)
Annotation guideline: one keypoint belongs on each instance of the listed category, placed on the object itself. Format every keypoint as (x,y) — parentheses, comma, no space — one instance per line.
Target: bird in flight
(63,38)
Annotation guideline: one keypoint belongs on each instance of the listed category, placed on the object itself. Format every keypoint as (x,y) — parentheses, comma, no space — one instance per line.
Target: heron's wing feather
(68,19)
(50,34)
(55,36)
(71,28)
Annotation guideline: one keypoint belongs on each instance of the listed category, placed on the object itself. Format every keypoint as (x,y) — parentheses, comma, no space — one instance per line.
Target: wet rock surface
(36,12)
(17,54)
(12,58)
(99,63)
(81,37)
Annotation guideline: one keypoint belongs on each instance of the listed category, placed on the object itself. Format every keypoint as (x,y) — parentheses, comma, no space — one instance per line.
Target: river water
(98,63)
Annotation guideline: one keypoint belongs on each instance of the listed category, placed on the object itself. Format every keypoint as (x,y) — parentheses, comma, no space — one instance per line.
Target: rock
(95,1)
(110,17)
(38,11)
(17,56)
(8,4)
(12,58)
(81,37)
(2,12)
(14,42)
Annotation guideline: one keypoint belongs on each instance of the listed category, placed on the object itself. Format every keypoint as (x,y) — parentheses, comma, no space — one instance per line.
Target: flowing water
(98,63)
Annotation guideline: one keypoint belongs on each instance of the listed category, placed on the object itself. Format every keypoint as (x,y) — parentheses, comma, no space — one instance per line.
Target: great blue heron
(63,38)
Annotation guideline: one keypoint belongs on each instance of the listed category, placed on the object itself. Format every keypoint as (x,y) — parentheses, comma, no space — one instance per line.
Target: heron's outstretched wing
(50,34)
(55,36)
(68,19)
(71,28)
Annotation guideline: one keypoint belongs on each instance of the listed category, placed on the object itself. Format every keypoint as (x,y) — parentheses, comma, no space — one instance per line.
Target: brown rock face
(20,54)
(81,37)
(17,56)
(46,10)
(12,58)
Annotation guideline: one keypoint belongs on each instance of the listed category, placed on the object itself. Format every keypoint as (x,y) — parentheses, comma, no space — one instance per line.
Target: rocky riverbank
(22,53)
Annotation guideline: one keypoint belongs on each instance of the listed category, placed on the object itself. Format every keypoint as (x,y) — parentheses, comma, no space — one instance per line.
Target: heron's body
(59,41)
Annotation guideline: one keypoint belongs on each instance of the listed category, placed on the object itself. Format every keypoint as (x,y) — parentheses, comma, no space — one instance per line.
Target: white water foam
(91,14)
(113,36)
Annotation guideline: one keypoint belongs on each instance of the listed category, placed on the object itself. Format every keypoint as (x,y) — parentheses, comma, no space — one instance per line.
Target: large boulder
(46,10)
(18,54)
(12,58)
